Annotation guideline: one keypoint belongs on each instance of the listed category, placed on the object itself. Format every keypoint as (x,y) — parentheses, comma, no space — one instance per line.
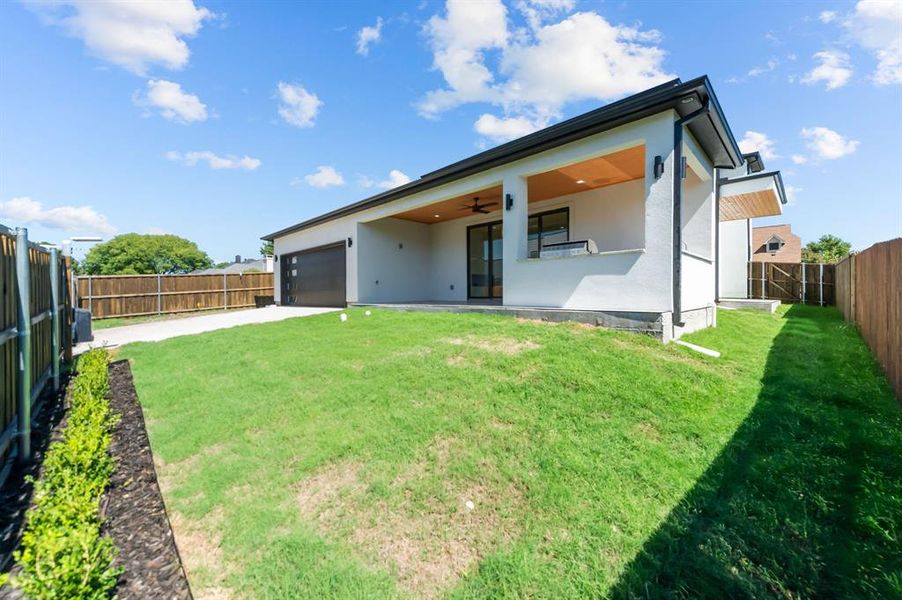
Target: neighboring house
(252,265)
(776,243)
(624,185)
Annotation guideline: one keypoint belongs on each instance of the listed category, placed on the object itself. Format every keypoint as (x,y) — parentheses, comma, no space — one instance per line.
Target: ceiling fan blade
(489,204)
(479,210)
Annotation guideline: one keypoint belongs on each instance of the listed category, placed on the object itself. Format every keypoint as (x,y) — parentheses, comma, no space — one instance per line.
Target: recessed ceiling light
(580,181)
(436,216)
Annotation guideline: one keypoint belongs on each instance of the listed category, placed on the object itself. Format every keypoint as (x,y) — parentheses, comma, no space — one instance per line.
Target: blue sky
(112,119)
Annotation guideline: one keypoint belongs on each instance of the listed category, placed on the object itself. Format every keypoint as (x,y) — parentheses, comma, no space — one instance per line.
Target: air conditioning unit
(571,248)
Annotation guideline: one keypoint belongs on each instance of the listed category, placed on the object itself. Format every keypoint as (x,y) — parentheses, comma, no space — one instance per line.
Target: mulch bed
(133,510)
(134,513)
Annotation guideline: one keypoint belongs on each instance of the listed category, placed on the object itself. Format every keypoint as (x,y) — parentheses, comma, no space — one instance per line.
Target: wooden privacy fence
(806,283)
(35,335)
(138,295)
(869,294)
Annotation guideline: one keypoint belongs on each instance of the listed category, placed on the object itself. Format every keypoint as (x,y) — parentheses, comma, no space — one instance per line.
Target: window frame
(540,216)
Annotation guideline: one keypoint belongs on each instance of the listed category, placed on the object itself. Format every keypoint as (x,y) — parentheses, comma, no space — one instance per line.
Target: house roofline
(712,132)
(756,163)
(781,191)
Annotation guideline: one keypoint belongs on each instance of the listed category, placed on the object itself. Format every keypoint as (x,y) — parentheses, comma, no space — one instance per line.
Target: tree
(266,248)
(828,249)
(137,254)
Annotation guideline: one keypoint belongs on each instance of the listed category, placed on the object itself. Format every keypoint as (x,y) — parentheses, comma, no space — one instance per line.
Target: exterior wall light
(350,242)
(659,166)
(508,201)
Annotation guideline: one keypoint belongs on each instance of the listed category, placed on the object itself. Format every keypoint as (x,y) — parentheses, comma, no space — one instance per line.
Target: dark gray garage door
(314,277)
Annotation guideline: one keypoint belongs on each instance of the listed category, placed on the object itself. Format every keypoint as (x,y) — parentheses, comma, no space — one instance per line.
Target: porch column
(514,224)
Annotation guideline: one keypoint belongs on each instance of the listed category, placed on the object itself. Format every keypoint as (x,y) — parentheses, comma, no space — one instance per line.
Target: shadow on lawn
(806,499)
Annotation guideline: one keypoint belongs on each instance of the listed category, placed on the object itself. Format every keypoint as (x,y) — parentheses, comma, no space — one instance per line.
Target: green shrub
(62,554)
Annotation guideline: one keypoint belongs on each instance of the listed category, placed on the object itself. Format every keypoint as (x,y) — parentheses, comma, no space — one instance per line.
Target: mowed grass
(315,458)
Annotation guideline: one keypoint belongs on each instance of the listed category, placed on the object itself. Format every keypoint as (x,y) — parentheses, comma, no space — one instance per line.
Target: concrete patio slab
(162,330)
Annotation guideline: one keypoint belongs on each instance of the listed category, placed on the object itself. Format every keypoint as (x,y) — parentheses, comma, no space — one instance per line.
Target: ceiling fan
(476,207)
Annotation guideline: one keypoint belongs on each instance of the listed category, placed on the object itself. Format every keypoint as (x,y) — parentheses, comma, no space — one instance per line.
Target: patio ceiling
(610,169)
(759,195)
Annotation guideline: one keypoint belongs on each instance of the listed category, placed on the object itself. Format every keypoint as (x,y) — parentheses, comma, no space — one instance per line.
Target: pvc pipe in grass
(343,317)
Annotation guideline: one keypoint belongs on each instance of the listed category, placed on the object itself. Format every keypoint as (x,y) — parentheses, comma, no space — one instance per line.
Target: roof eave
(662,97)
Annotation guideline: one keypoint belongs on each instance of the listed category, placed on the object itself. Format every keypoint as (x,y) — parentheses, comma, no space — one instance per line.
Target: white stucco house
(610,217)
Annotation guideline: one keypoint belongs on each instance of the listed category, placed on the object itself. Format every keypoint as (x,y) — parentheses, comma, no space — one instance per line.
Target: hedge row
(62,553)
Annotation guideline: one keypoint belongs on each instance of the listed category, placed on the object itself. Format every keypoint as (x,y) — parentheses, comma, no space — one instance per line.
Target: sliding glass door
(485,265)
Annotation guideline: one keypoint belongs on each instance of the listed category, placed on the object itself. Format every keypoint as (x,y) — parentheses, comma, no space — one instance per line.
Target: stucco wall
(734,251)
(393,264)
(697,280)
(639,280)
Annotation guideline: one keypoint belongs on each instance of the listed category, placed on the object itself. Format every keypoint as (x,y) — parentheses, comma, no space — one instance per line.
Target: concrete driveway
(162,330)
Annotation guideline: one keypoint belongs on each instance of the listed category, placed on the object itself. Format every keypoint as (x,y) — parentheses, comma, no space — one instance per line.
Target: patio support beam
(678,126)
(515,221)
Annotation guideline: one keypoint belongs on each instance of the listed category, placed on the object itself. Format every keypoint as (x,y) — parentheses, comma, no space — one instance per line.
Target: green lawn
(314,458)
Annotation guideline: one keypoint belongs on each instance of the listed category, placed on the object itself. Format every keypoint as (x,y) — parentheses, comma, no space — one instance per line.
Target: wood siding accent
(869,294)
(138,295)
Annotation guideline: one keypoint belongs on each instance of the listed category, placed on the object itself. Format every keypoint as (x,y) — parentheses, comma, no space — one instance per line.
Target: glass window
(547,228)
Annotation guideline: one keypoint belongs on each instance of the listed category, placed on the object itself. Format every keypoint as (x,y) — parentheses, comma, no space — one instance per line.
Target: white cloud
(539,11)
(771,65)
(877,26)
(324,176)
(792,193)
(755,141)
(504,129)
(539,70)
(834,69)
(79,219)
(799,159)
(298,107)
(133,35)
(214,161)
(395,178)
(828,144)
(827,16)
(172,102)
(367,36)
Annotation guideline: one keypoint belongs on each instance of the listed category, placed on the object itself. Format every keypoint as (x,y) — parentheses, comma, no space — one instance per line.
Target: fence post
(55,316)
(225,290)
(159,297)
(763,282)
(852,316)
(23,281)
(803,283)
(821,280)
(90,295)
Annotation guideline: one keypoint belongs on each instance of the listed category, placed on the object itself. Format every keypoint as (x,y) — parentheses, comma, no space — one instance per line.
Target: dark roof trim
(712,132)
(778,177)
(755,162)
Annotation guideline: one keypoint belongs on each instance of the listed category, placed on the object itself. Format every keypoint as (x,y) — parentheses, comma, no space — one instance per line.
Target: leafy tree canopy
(137,254)
(828,249)
(266,248)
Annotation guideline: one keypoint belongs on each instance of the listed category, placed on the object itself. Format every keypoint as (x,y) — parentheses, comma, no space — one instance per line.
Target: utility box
(81,326)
